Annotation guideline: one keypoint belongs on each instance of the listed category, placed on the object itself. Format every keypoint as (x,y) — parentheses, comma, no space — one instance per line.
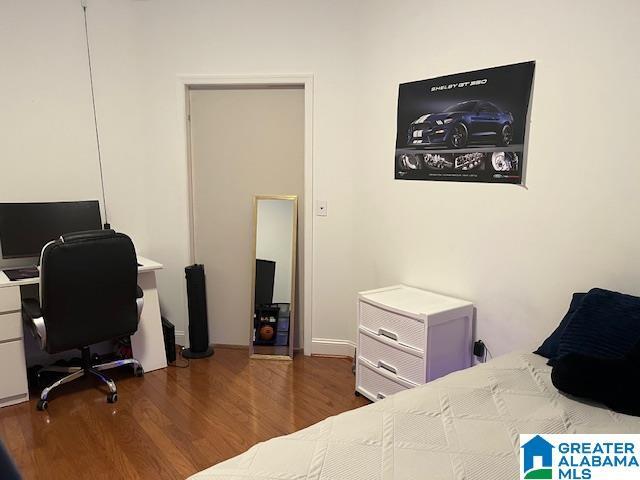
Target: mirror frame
(294,266)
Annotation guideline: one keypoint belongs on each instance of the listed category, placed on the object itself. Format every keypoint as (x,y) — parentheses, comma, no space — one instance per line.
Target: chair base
(86,368)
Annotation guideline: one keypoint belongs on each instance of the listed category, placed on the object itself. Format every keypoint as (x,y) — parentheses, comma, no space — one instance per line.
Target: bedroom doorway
(243,140)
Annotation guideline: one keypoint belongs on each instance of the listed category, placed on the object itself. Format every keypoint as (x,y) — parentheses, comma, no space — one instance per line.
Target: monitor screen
(265,275)
(26,227)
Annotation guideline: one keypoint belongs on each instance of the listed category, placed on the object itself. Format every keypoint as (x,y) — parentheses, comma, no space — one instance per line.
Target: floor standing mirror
(274,276)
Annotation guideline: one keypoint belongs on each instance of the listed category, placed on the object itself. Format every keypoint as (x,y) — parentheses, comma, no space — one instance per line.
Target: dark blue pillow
(605,325)
(549,348)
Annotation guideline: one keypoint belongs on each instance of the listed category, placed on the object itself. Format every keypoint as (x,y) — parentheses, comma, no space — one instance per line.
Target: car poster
(466,127)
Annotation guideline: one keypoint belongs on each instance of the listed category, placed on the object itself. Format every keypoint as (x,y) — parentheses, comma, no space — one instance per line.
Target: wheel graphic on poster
(504,161)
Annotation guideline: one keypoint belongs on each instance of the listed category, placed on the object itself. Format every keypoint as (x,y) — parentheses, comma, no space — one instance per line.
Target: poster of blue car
(466,127)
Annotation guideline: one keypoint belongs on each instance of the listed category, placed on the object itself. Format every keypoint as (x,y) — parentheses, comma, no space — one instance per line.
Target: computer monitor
(27,227)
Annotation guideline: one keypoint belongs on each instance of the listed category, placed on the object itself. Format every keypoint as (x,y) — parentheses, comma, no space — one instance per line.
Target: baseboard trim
(230,346)
(332,347)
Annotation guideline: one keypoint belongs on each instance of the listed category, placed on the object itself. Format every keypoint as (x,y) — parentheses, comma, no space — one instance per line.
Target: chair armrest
(139,301)
(31,308)
(32,314)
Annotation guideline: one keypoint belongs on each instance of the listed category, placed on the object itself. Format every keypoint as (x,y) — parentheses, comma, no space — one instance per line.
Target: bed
(463,426)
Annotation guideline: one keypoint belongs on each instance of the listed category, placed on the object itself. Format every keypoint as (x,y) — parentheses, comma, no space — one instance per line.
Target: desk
(147,343)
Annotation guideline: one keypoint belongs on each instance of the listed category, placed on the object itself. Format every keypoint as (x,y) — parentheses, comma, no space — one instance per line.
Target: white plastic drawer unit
(377,384)
(405,330)
(408,336)
(404,362)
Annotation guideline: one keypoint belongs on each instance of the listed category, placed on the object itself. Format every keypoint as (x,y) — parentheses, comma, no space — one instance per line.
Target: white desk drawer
(405,330)
(376,384)
(9,299)
(10,326)
(389,355)
(14,371)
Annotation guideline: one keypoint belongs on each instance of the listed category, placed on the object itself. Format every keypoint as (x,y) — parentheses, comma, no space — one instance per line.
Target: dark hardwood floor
(174,422)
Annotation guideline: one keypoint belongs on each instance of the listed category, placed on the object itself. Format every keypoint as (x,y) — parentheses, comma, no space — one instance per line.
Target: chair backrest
(88,286)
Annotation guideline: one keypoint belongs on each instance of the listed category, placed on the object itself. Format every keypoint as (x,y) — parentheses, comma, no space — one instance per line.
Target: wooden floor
(174,422)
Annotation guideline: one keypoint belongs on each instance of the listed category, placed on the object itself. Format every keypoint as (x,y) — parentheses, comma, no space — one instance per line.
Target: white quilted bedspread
(464,426)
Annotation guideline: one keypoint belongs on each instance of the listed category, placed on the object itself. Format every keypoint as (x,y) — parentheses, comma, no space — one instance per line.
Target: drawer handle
(381,396)
(386,366)
(388,334)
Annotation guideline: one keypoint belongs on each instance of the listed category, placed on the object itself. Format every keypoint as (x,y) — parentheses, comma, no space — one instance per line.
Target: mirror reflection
(274,276)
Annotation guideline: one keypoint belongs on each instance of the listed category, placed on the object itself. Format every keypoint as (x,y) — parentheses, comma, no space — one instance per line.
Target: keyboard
(15,274)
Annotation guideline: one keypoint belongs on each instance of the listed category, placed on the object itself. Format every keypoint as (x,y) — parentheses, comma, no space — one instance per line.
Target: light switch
(321,208)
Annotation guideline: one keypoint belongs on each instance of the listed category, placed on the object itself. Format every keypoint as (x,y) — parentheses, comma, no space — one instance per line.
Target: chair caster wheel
(112,397)
(138,372)
(357,393)
(42,405)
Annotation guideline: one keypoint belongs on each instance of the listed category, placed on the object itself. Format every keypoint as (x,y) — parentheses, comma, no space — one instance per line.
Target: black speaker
(198,322)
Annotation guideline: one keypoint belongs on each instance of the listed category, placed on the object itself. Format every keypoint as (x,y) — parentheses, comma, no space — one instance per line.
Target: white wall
(260,38)
(139,49)
(273,242)
(518,253)
(47,137)
(45,121)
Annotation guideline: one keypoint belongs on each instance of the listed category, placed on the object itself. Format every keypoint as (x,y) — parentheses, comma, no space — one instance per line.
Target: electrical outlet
(321,208)
(479,348)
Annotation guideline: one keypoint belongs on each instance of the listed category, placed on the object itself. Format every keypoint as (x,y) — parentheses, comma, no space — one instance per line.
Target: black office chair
(88,294)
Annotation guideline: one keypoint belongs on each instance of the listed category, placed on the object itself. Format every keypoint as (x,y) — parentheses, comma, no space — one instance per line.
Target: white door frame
(304,80)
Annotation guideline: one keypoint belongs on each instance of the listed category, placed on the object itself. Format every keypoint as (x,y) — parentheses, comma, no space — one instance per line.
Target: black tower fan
(198,322)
